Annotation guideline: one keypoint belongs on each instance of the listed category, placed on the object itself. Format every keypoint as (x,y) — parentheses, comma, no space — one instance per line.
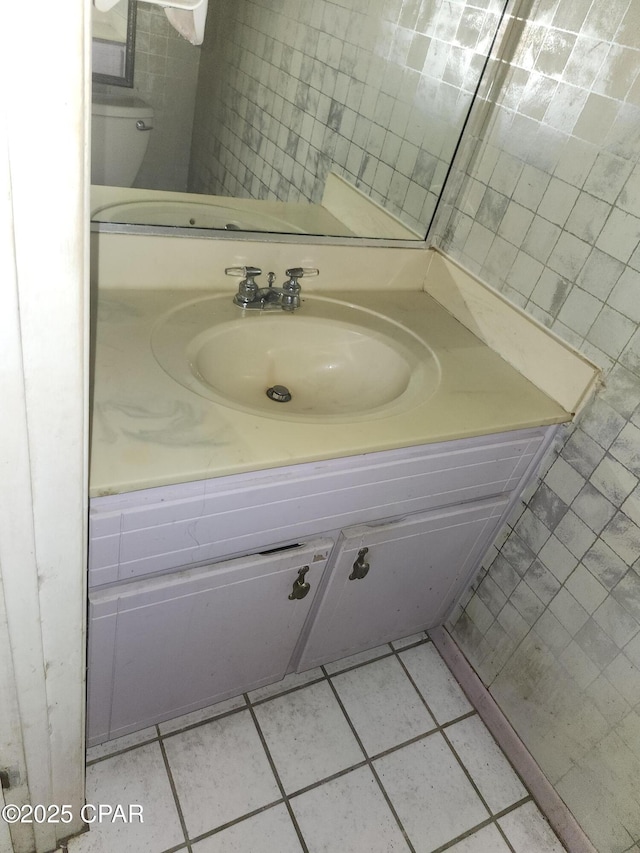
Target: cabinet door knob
(360,567)
(300,586)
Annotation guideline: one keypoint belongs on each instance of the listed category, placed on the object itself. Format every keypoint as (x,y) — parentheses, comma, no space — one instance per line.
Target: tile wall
(549,212)
(165,76)
(378,90)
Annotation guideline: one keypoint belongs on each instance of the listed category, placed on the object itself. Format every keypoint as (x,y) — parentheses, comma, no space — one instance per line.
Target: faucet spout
(287,297)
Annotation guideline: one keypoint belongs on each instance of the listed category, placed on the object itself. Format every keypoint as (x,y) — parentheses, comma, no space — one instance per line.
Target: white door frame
(44,182)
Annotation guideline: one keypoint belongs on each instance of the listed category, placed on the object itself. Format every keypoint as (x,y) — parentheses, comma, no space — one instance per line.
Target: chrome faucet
(287,297)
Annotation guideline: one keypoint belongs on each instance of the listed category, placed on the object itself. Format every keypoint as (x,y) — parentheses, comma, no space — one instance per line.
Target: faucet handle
(243,272)
(247,289)
(300,272)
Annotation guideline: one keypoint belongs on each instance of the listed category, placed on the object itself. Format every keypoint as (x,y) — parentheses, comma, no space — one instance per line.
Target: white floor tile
(120,743)
(528,830)
(270,831)
(409,641)
(348,814)
(221,772)
(354,660)
(307,735)
(496,780)
(201,716)
(382,704)
(487,840)
(431,794)
(138,777)
(294,679)
(433,679)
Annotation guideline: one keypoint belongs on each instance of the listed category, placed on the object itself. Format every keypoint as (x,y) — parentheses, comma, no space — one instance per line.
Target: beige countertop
(148,430)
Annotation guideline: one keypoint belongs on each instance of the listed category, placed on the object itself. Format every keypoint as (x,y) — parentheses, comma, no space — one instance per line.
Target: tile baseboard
(549,801)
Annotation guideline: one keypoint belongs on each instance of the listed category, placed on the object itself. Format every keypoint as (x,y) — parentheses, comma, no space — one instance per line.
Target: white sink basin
(327,361)
(192,214)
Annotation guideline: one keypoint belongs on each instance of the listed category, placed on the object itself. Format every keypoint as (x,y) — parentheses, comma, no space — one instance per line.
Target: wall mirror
(328,117)
(113,39)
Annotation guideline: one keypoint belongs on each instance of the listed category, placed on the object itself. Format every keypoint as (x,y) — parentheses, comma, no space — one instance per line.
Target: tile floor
(379,752)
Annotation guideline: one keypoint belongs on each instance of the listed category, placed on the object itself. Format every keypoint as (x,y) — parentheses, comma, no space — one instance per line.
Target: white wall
(43,376)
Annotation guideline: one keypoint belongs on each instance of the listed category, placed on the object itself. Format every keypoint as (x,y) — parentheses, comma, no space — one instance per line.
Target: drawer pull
(360,567)
(300,586)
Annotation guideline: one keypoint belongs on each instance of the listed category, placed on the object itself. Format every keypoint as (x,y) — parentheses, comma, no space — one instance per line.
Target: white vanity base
(198,592)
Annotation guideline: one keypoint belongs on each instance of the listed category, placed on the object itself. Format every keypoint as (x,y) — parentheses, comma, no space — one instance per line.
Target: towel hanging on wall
(187,16)
(189,22)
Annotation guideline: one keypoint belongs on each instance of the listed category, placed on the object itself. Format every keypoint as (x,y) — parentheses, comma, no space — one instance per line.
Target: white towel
(189,22)
(104,5)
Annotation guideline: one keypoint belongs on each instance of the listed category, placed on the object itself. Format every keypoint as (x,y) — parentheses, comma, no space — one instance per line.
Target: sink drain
(279,393)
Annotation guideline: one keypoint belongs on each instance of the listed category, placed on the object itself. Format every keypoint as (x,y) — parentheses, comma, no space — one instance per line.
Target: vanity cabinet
(164,646)
(392,580)
(190,584)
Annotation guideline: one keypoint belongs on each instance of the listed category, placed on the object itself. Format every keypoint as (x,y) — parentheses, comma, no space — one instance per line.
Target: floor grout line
(174,791)
(372,769)
(368,761)
(279,782)
(218,829)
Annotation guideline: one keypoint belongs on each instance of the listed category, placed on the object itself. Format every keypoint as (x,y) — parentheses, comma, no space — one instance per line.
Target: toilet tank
(120,130)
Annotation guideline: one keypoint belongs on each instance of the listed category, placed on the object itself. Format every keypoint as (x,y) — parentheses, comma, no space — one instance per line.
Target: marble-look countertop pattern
(148,430)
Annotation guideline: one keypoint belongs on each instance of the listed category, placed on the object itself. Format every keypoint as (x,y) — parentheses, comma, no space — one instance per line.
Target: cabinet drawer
(165,528)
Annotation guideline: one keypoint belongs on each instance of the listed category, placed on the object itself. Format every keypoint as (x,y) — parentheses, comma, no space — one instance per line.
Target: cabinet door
(417,568)
(165,646)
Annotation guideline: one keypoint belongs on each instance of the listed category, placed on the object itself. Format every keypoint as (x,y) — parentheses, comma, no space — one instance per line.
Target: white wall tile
(583,671)
(619,236)
(586,589)
(624,296)
(569,612)
(616,622)
(611,331)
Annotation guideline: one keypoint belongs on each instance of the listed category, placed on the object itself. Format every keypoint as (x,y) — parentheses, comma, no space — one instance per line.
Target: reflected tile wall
(549,213)
(378,90)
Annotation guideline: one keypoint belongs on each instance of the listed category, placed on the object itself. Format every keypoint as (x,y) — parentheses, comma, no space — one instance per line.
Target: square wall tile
(613,480)
(586,589)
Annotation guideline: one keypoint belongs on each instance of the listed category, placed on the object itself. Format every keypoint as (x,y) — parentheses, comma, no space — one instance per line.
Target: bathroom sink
(328,361)
(192,214)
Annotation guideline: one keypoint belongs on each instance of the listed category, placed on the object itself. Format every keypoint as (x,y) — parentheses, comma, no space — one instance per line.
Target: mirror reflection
(113,42)
(302,116)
